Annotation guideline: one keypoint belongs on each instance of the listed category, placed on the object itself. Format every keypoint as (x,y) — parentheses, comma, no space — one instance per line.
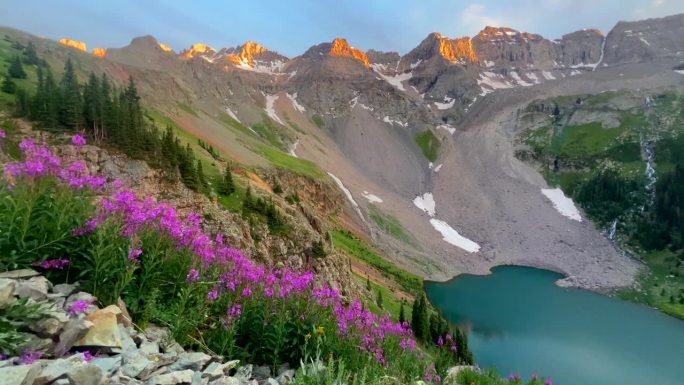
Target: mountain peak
(196,49)
(164,47)
(505,33)
(100,52)
(453,50)
(246,53)
(73,43)
(340,47)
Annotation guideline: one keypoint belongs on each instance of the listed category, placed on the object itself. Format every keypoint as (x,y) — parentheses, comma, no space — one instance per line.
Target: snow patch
(489,64)
(395,80)
(447,127)
(439,167)
(371,197)
(518,79)
(426,203)
(232,115)
(563,204)
(348,194)
(270,111)
(679,72)
(294,147)
(414,65)
(295,104)
(533,76)
(492,81)
(644,40)
(548,75)
(574,72)
(448,103)
(391,121)
(450,235)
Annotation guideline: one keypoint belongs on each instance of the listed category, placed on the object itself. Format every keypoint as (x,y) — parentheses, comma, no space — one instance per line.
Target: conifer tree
(30,53)
(8,85)
(378,300)
(71,109)
(227,186)
(15,69)
(420,321)
(402,313)
(201,180)
(368,284)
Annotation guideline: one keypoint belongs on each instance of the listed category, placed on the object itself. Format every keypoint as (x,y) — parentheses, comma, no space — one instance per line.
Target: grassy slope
(390,225)
(619,147)
(429,144)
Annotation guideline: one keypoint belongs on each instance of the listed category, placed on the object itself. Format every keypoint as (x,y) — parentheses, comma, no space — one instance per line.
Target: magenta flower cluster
(53,264)
(40,161)
(237,277)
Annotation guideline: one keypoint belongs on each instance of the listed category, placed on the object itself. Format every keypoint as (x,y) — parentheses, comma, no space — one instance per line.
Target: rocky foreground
(77,343)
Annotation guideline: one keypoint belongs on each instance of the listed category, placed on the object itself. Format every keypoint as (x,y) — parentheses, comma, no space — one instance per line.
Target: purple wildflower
(87,356)
(548,381)
(29,357)
(193,275)
(513,377)
(78,307)
(57,264)
(133,255)
(212,295)
(78,140)
(3,135)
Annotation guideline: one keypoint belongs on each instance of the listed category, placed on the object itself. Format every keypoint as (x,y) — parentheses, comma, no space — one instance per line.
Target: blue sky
(291,27)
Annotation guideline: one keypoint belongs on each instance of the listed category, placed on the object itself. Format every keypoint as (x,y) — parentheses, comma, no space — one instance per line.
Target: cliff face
(341,48)
(100,52)
(79,45)
(578,48)
(645,39)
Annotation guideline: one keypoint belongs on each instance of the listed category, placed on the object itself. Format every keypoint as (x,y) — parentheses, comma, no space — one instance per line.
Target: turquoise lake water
(520,322)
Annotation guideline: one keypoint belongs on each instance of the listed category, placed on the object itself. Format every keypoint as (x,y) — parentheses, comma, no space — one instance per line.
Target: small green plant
(17,316)
(429,144)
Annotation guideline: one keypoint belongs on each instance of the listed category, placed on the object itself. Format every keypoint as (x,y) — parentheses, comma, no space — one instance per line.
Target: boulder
(7,288)
(149,347)
(59,368)
(108,365)
(261,373)
(124,317)
(64,289)
(271,381)
(71,332)
(244,373)
(19,375)
(178,377)
(35,288)
(81,296)
(47,327)
(226,381)
(105,330)
(215,369)
(195,361)
(19,274)
(134,363)
(87,374)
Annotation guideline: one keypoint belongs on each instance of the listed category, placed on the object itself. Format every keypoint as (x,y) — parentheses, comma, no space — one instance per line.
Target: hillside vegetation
(597,149)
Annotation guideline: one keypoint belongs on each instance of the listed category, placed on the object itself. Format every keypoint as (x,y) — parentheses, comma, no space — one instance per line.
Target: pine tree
(227,186)
(8,85)
(30,53)
(378,299)
(201,180)
(91,103)
(71,109)
(368,284)
(402,314)
(15,69)
(419,318)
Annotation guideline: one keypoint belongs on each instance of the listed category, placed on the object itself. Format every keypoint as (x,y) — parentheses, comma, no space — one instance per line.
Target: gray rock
(172,347)
(7,287)
(134,363)
(226,381)
(109,365)
(64,289)
(197,379)
(71,332)
(261,372)
(286,377)
(36,343)
(84,296)
(47,327)
(125,380)
(244,373)
(195,361)
(271,381)
(177,377)
(127,343)
(215,369)
(19,274)
(149,347)
(87,374)
(35,288)
(56,369)
(156,333)
(19,375)
(158,361)
(62,381)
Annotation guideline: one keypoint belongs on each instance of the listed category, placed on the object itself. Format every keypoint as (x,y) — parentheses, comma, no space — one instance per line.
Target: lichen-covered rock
(7,287)
(35,288)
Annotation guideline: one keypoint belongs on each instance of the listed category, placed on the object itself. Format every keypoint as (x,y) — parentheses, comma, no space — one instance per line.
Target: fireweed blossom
(78,140)
(133,255)
(232,273)
(56,264)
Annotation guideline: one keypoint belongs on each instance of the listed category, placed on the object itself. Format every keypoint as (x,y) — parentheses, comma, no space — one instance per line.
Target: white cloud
(658,3)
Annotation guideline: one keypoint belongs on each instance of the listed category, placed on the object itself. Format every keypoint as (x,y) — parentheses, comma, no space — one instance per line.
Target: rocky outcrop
(645,40)
(79,45)
(94,346)
(100,52)
(164,47)
(579,48)
(196,49)
(341,48)
(246,53)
